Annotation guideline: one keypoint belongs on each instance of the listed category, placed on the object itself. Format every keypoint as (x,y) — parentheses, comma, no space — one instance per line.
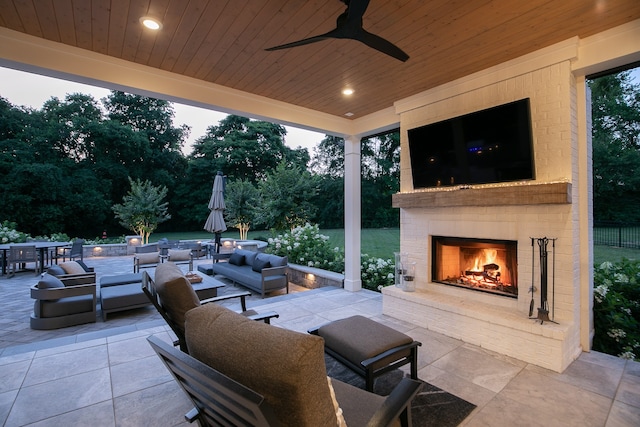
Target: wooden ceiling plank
(100,18)
(133,29)
(151,40)
(236,39)
(47,18)
(220,40)
(179,36)
(63,10)
(82,23)
(206,48)
(117,27)
(192,46)
(28,18)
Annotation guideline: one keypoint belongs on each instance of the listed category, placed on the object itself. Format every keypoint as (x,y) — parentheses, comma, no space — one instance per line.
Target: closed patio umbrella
(215,222)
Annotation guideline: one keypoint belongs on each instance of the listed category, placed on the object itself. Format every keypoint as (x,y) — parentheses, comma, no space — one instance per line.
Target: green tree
(142,209)
(615,103)
(241,200)
(246,149)
(287,195)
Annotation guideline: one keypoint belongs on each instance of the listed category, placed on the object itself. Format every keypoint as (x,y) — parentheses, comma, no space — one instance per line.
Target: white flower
(310,263)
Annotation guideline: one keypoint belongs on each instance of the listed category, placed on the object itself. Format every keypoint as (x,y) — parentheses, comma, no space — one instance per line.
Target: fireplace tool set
(543,310)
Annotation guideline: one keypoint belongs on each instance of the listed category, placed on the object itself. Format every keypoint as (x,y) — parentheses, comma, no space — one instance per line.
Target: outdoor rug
(431,407)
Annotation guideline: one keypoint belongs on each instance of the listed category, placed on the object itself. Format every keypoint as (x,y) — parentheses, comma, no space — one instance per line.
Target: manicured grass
(613,254)
(383,242)
(380,243)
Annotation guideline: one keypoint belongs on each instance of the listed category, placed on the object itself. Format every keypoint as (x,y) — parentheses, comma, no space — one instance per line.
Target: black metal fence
(616,234)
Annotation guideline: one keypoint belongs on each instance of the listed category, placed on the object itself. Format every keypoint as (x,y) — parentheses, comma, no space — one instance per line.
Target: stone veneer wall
(494,322)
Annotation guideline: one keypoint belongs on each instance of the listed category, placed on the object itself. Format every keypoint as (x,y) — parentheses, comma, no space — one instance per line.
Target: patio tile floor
(106,373)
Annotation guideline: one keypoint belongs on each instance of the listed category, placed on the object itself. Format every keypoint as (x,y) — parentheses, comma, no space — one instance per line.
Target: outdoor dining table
(42,247)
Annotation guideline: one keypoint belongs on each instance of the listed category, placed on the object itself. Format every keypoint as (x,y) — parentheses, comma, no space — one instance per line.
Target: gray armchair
(61,303)
(146,256)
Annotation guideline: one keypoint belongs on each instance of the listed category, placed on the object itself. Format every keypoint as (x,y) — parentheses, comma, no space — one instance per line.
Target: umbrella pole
(217,242)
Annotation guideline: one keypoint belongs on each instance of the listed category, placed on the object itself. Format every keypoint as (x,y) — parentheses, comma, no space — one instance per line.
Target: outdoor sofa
(257,271)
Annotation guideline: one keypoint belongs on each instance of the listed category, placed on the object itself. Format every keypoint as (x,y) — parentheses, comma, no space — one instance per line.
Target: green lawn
(382,243)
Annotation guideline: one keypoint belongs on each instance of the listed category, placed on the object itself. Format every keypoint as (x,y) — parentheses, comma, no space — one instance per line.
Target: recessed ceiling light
(347,91)
(151,23)
(348,114)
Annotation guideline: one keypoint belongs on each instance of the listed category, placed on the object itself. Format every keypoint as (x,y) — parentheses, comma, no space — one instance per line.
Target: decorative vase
(408,276)
(400,258)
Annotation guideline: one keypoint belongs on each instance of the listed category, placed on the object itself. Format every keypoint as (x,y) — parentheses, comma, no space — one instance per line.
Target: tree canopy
(615,106)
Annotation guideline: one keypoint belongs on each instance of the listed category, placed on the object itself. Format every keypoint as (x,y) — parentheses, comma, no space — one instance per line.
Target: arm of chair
(241,295)
(397,404)
(57,293)
(77,279)
(274,271)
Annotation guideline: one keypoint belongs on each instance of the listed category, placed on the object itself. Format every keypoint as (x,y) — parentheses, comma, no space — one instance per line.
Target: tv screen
(488,146)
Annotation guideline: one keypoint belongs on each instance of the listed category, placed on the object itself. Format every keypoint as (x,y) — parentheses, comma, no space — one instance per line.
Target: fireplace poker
(553,281)
(532,288)
(543,311)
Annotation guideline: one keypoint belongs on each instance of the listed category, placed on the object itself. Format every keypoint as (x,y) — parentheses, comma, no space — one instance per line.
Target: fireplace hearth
(484,265)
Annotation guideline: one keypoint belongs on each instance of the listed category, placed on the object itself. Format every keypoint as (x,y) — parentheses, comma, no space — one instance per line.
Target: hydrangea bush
(9,234)
(306,246)
(616,309)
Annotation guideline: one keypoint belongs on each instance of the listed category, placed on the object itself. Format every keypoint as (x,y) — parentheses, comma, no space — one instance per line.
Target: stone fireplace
(443,230)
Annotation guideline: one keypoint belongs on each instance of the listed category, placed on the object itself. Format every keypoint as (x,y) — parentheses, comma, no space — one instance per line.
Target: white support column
(352,279)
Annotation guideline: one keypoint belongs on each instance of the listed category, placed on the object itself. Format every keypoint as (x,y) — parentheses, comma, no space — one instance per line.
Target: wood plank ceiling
(223,41)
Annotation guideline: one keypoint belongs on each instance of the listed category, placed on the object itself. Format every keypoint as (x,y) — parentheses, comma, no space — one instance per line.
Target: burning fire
(486,256)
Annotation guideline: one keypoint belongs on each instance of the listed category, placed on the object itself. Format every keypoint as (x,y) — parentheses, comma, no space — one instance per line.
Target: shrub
(616,309)
(9,234)
(306,246)
(376,272)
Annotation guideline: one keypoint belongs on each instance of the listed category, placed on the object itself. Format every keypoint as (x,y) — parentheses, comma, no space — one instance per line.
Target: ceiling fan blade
(382,45)
(298,43)
(356,9)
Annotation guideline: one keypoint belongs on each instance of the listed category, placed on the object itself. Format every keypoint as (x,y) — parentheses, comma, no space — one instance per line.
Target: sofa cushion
(48,282)
(125,296)
(66,306)
(277,261)
(261,261)
(236,259)
(175,291)
(72,267)
(148,258)
(120,279)
(56,270)
(179,254)
(249,256)
(288,369)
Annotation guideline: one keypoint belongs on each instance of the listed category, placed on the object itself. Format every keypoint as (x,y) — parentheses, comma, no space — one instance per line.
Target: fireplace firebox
(485,265)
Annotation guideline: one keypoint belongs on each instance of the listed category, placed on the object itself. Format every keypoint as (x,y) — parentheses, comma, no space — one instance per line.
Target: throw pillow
(179,254)
(72,267)
(284,366)
(236,259)
(175,291)
(148,258)
(56,270)
(259,263)
(48,282)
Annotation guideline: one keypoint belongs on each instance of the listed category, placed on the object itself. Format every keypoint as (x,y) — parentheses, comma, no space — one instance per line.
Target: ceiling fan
(349,26)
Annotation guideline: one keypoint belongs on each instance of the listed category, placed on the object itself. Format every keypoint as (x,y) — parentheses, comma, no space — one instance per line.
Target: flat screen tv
(488,146)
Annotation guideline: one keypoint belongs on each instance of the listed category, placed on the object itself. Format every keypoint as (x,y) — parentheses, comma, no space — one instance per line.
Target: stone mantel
(503,195)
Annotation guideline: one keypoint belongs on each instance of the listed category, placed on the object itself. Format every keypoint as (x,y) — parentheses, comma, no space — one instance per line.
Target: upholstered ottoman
(121,292)
(368,347)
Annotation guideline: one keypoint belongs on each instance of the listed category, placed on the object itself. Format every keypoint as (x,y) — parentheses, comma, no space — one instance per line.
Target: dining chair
(20,256)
